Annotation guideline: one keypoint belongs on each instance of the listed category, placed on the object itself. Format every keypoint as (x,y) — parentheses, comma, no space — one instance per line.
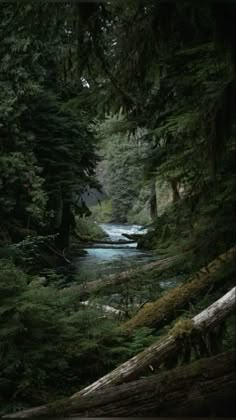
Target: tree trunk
(175,189)
(55,203)
(203,388)
(153,202)
(152,357)
(143,363)
(164,309)
(64,230)
(116,279)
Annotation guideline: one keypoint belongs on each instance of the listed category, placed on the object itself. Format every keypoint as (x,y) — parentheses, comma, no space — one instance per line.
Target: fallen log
(154,355)
(87,240)
(115,279)
(133,236)
(163,310)
(102,246)
(203,388)
(119,242)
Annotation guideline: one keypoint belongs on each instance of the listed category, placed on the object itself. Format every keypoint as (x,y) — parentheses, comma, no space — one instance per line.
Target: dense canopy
(134,100)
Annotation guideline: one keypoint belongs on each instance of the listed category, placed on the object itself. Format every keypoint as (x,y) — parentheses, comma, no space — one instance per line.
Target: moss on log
(164,309)
(203,388)
(152,356)
(121,278)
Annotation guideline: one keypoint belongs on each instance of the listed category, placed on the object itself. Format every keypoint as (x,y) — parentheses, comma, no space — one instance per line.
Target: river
(109,259)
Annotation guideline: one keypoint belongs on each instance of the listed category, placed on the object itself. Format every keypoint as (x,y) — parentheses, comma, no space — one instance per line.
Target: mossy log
(164,309)
(148,360)
(152,357)
(203,388)
(116,279)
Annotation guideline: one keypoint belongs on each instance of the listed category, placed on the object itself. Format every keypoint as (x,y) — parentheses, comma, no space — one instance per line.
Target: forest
(117,199)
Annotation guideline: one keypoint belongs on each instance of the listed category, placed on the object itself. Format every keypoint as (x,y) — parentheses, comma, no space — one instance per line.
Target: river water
(111,259)
(100,261)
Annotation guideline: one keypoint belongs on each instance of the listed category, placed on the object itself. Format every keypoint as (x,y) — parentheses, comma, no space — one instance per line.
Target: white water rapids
(118,257)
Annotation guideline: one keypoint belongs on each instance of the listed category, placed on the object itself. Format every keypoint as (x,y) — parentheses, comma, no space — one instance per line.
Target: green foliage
(187,120)
(140,212)
(169,106)
(183,95)
(102,212)
(47,151)
(48,345)
(28,253)
(229,335)
(142,338)
(124,172)
(89,230)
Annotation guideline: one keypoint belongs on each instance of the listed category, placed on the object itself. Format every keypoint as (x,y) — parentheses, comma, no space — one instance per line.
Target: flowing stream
(115,258)
(110,259)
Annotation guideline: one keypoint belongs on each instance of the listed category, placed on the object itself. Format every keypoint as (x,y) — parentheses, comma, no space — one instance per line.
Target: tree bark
(64,230)
(153,203)
(203,388)
(149,360)
(152,357)
(174,182)
(164,309)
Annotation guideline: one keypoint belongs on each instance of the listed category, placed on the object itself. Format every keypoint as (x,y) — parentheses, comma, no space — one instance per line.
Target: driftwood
(149,360)
(116,279)
(164,309)
(203,388)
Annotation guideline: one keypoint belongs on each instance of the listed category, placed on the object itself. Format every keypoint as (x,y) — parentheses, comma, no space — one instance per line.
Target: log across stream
(114,254)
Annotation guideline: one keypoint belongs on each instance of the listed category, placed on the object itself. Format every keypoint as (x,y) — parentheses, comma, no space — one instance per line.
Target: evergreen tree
(48,151)
(122,154)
